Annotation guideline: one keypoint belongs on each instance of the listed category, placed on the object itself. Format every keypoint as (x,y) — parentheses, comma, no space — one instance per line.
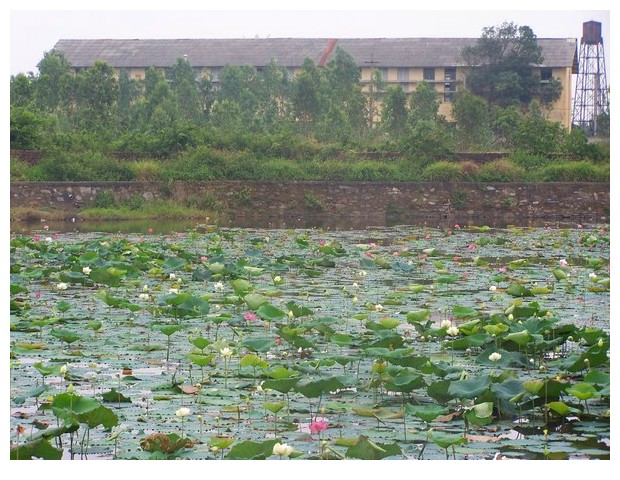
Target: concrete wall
(581,202)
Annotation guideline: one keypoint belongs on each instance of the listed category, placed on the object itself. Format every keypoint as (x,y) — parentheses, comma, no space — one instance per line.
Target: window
(449,85)
(428,74)
(449,74)
(403,74)
(384,74)
(546,74)
(215,73)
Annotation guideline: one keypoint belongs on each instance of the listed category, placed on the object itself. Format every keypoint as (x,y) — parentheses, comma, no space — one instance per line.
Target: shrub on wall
(575,172)
(146,170)
(442,172)
(501,171)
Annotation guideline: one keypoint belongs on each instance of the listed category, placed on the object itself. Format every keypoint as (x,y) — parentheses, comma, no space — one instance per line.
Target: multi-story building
(401,61)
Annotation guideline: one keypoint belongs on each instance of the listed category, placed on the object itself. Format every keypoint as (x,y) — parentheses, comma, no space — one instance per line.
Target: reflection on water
(328,222)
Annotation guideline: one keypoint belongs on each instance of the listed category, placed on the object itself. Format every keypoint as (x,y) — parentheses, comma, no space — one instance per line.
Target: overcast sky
(35,29)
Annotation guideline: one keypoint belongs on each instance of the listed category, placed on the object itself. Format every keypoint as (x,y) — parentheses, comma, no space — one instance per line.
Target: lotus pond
(396,343)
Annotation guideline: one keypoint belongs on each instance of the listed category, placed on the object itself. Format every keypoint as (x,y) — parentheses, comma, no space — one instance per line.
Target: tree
(183,85)
(22,89)
(97,94)
(128,92)
(424,104)
(394,112)
(28,128)
(501,65)
(306,95)
(472,119)
(343,91)
(55,85)
(377,86)
(536,135)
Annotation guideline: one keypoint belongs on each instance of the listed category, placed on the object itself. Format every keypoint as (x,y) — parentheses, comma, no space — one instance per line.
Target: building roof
(290,52)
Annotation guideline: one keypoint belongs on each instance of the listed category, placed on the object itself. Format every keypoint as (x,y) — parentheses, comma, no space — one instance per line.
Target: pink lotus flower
(471,246)
(449,232)
(502,269)
(321,243)
(456,258)
(204,258)
(368,254)
(457,227)
(318,426)
(249,316)
(56,235)
(37,294)
(36,238)
(428,236)
(150,230)
(278,341)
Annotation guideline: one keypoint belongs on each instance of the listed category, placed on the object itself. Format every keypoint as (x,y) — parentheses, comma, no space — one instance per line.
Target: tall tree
(55,85)
(501,66)
(424,104)
(472,119)
(128,92)
(307,95)
(394,112)
(97,94)
(22,89)
(183,84)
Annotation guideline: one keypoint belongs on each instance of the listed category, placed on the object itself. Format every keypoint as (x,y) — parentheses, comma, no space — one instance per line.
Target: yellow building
(401,61)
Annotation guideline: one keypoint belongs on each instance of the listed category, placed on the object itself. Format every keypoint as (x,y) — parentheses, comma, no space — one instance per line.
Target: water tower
(591,93)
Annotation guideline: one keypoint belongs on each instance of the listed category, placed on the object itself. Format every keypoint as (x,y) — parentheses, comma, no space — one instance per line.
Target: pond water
(399,342)
(164,226)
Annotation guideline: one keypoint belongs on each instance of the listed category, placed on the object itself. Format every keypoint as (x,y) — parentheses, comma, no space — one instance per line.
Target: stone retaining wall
(582,202)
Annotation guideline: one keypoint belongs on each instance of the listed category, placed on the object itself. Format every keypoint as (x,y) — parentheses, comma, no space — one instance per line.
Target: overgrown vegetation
(264,125)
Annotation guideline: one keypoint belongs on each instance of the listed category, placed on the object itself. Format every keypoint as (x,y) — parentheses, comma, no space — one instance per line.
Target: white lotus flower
(172,276)
(225,352)
(86,270)
(446,324)
(219,286)
(492,288)
(61,286)
(282,449)
(174,290)
(453,331)
(182,412)
(144,296)
(378,307)
(495,357)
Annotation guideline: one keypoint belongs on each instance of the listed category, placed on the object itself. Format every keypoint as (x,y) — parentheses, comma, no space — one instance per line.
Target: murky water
(165,226)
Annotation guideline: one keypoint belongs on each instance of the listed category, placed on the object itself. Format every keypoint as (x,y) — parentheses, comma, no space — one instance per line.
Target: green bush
(85,166)
(529,161)
(136,202)
(501,171)
(370,171)
(575,172)
(105,199)
(442,172)
(146,170)
(20,170)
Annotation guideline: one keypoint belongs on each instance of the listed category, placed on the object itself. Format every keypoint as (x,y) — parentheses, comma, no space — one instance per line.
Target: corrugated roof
(289,52)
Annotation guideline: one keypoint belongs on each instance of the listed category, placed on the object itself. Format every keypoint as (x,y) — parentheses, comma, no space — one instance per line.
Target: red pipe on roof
(329,48)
